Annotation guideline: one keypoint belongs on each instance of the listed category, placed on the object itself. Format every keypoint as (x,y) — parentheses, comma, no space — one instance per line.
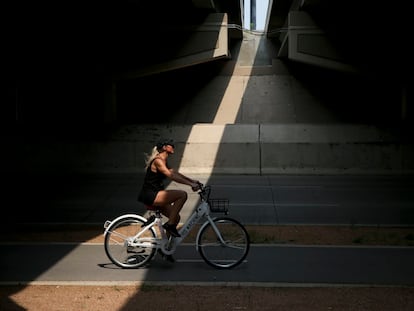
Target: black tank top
(153,181)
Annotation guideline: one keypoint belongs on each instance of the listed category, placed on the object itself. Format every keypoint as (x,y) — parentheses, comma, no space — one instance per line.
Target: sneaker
(169,258)
(171,229)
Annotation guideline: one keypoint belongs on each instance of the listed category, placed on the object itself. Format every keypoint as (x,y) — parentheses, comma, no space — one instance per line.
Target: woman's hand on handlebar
(197,186)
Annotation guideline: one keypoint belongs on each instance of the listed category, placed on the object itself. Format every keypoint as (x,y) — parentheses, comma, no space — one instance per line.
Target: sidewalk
(256,200)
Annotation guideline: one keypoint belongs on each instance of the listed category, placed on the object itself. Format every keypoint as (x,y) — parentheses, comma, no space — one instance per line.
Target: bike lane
(266,265)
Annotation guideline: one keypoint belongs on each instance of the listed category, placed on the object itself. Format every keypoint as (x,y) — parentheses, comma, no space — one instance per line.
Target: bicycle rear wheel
(228,252)
(116,243)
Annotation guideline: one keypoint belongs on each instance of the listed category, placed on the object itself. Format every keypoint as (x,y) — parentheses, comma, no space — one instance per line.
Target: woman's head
(165,142)
(158,148)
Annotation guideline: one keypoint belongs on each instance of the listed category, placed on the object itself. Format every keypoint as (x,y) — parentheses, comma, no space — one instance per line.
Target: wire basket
(219,205)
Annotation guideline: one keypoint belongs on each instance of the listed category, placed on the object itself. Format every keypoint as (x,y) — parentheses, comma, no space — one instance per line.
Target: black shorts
(147,196)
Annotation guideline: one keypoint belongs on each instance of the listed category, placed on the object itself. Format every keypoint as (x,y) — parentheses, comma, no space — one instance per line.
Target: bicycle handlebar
(204,191)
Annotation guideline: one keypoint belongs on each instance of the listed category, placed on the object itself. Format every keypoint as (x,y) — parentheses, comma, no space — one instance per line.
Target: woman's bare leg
(172,202)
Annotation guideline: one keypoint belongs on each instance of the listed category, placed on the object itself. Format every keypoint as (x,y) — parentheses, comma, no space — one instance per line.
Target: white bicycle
(131,240)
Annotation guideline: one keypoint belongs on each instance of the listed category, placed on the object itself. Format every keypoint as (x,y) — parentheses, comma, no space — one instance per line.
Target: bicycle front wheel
(117,240)
(225,248)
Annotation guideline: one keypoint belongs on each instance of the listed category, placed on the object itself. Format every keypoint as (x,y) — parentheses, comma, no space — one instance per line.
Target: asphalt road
(331,200)
(275,199)
(266,265)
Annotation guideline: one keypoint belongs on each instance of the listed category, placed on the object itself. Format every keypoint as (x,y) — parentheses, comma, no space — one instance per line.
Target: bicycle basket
(219,205)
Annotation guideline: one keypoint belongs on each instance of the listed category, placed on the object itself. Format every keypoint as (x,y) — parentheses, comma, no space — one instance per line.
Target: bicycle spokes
(120,246)
(224,244)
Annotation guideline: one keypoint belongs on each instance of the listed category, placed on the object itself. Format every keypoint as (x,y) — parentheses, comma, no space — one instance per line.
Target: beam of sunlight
(205,140)
(231,101)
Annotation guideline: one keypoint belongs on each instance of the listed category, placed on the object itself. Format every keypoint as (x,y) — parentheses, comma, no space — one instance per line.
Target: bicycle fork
(210,221)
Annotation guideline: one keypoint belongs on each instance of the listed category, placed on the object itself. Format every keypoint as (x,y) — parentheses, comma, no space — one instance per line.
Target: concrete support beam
(305,42)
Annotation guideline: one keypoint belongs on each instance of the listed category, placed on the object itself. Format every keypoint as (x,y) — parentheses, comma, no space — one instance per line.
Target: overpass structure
(324,88)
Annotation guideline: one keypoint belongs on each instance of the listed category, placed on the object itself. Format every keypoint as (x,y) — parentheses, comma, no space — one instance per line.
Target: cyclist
(153,192)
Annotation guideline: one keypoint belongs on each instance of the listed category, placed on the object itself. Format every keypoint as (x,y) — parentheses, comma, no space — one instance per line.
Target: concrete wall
(233,149)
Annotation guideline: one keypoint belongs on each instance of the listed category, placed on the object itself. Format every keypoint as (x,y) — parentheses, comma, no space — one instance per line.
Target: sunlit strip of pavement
(204,284)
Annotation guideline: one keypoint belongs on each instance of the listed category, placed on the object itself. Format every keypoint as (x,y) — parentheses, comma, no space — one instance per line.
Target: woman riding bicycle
(153,193)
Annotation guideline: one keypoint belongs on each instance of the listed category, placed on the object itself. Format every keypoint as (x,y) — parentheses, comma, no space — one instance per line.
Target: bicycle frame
(169,245)
(131,240)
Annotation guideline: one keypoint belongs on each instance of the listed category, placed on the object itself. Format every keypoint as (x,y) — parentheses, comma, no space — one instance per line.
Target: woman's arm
(184,177)
(174,175)
(178,177)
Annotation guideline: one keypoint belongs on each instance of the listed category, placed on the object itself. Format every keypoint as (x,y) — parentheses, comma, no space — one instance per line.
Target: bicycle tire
(230,254)
(116,239)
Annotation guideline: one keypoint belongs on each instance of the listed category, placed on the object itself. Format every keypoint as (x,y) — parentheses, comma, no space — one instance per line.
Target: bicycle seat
(151,207)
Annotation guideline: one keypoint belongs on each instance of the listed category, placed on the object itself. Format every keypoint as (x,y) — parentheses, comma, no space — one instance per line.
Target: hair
(156,151)
(151,156)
